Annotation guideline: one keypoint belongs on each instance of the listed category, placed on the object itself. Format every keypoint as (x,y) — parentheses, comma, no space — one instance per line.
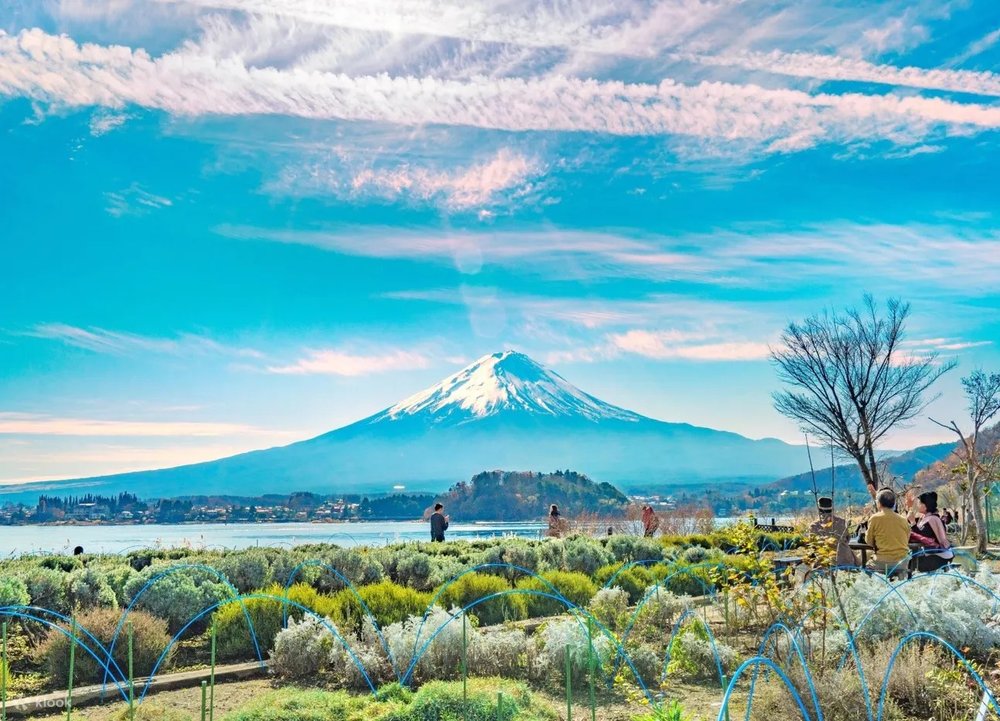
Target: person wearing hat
(830,526)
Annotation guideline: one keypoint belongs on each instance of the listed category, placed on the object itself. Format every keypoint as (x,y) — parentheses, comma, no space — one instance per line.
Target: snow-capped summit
(503,411)
(499,384)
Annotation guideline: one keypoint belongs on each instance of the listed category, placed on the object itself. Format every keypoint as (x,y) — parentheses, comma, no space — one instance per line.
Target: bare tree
(979,464)
(852,381)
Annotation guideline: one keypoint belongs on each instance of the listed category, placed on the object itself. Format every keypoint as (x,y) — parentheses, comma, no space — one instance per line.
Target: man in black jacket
(439,523)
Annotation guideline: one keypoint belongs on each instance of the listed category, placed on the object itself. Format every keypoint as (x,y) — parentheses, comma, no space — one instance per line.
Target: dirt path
(228,696)
(702,702)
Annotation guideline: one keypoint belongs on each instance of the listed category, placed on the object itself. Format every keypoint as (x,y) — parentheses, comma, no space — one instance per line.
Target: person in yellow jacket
(888,533)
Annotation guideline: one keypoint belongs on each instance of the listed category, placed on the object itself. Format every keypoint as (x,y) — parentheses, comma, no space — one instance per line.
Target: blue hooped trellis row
(789,630)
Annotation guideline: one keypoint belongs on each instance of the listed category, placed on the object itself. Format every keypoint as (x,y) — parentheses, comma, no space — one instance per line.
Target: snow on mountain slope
(503,383)
(503,411)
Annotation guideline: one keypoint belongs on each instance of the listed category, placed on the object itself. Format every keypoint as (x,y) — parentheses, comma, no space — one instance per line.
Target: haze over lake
(18,540)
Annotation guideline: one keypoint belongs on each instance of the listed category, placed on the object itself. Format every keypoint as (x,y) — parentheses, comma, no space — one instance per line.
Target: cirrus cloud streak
(341,363)
(37,424)
(56,69)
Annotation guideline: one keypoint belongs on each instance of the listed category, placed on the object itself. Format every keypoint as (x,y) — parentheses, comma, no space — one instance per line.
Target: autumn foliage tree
(979,464)
(850,380)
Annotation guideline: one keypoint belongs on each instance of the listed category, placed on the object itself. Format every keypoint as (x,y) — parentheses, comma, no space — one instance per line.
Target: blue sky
(230,224)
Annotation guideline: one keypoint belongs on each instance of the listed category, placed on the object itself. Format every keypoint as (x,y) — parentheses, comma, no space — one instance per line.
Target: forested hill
(904,466)
(526,495)
(940,473)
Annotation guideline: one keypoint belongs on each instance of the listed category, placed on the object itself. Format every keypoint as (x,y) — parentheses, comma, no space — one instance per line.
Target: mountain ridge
(502,411)
(906,465)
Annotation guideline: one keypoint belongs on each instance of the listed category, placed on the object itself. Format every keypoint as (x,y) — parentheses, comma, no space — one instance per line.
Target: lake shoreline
(121,538)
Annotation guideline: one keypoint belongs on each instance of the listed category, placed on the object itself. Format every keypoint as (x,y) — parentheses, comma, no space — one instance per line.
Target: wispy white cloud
(12,423)
(664,345)
(922,346)
(464,188)
(901,32)
(935,256)
(962,345)
(56,69)
(103,122)
(133,200)
(585,330)
(340,363)
(504,177)
(622,28)
(833,67)
(73,458)
(977,47)
(101,340)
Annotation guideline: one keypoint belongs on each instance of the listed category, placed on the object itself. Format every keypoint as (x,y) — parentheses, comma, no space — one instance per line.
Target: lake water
(18,540)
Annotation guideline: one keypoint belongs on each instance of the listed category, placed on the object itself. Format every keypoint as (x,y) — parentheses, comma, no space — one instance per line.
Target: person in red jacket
(650,521)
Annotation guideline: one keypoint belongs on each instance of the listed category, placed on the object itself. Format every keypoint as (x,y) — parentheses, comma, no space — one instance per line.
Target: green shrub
(634,580)
(474,586)
(691,539)
(293,704)
(284,563)
(61,563)
(445,568)
(47,589)
(177,597)
(610,607)
(779,541)
(697,554)
(150,638)
(444,701)
(627,548)
(387,601)
(575,587)
(359,567)
(672,712)
(233,638)
(744,565)
(435,701)
(118,576)
(395,691)
(693,655)
(409,567)
(657,615)
(552,554)
(521,555)
(305,595)
(685,579)
(585,555)
(246,570)
(89,588)
(13,592)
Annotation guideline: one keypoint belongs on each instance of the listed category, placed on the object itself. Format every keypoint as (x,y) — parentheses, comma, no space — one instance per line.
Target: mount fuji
(503,411)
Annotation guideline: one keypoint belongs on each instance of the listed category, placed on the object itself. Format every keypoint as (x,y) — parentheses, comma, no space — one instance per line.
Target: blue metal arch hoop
(169,572)
(354,591)
(19,612)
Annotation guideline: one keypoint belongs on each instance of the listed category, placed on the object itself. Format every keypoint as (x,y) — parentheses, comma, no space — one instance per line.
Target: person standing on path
(556,523)
(439,523)
(650,521)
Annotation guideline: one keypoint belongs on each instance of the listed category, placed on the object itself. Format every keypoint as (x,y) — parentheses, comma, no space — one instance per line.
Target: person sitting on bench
(929,530)
(889,534)
(829,525)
